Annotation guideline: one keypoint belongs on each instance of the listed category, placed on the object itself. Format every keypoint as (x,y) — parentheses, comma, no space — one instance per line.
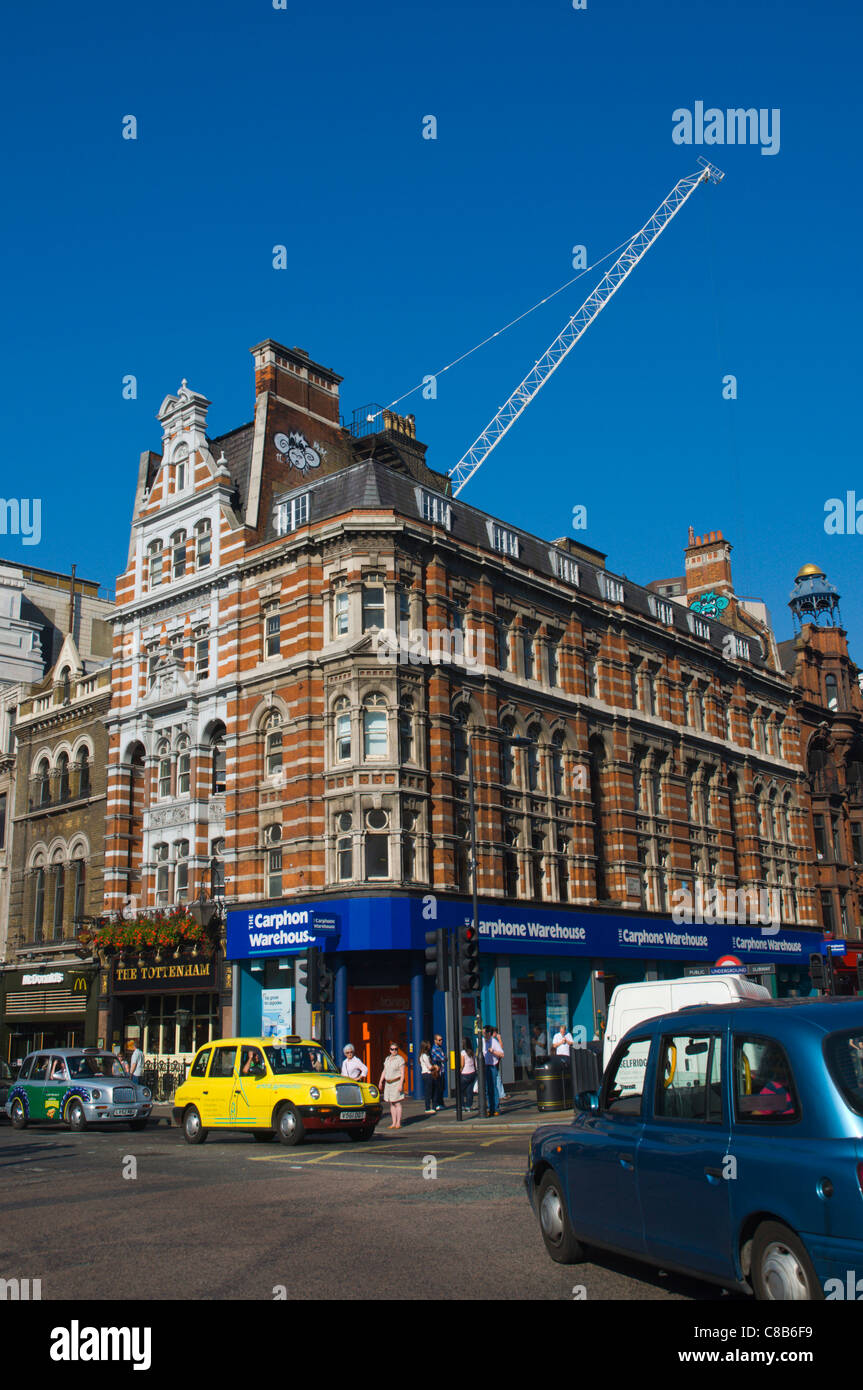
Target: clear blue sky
(304,126)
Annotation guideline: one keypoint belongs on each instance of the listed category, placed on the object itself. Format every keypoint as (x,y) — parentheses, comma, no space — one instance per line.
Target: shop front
(539,967)
(54,1006)
(169,1007)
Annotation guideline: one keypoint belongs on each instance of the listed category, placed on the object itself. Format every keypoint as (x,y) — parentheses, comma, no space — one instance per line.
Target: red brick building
(310,633)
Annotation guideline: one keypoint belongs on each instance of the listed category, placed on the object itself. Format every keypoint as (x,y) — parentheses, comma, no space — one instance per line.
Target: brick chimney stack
(290,375)
(708,565)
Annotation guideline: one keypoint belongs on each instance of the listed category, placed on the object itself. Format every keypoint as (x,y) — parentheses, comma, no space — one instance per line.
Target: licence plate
(352,1114)
(119,1113)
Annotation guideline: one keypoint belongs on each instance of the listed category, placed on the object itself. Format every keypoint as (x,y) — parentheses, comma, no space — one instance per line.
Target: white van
(632,1004)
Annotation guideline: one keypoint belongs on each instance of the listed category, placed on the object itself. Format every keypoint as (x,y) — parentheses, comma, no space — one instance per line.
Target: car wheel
(193,1130)
(289,1126)
(75,1117)
(138,1124)
(264,1136)
(557,1232)
(360,1136)
(18,1114)
(781,1267)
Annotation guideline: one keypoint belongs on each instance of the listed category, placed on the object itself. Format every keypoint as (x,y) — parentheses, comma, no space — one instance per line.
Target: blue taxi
(724,1142)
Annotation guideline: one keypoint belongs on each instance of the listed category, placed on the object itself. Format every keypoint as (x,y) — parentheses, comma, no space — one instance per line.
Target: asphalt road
(233,1219)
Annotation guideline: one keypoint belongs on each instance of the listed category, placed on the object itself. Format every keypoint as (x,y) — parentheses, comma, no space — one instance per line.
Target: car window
(285,1060)
(764,1090)
(199,1066)
(689,1078)
(25,1069)
(100,1064)
(844,1053)
(223,1061)
(624,1086)
(250,1057)
(40,1067)
(58,1070)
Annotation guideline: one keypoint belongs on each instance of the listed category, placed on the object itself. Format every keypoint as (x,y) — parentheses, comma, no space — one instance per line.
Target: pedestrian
(562,1041)
(438,1060)
(540,1050)
(352,1066)
(392,1083)
(427,1072)
(136,1062)
(501,1094)
(468,1075)
(491,1053)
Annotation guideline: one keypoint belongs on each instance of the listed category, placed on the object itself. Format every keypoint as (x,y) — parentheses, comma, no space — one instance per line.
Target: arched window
(83,770)
(164,756)
(218,760)
(558,764)
(43,776)
(534,762)
(273,745)
(63,777)
(507,755)
(59,874)
(342,711)
(184,767)
(181,871)
(375,726)
(66,683)
(203,543)
(273,840)
(179,467)
(344,845)
(459,743)
(178,554)
(38,898)
(406,731)
(80,870)
(161,854)
(155,559)
(217,868)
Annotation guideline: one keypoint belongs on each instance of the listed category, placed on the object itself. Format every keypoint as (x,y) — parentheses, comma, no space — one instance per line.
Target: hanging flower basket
(155,930)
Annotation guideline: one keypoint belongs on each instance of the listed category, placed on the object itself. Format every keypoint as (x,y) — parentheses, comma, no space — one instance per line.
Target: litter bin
(553,1085)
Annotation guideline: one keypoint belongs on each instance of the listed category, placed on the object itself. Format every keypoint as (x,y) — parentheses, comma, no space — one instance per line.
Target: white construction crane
(579,324)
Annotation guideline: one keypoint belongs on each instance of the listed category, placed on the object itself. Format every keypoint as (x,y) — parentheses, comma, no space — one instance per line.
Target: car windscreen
(103,1064)
(844,1054)
(285,1060)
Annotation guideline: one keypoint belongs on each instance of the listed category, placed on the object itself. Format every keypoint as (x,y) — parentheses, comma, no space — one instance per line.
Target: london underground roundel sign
(729,960)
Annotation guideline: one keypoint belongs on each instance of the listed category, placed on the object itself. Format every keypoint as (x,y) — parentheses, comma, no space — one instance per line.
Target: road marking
(360,1163)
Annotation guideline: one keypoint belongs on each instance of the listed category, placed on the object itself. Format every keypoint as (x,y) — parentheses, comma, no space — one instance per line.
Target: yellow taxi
(274,1088)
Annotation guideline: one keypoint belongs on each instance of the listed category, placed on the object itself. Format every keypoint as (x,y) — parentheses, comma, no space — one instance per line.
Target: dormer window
(434,508)
(661,610)
(610,588)
(564,567)
(504,541)
(292,514)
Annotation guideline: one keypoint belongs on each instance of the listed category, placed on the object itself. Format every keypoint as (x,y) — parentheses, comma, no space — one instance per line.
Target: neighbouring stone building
(830,706)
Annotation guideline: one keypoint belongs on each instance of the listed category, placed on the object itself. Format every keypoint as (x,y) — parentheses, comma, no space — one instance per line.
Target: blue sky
(304,127)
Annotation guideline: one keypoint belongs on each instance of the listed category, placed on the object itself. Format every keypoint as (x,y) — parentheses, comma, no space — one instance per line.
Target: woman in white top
(392,1082)
(352,1066)
(428,1075)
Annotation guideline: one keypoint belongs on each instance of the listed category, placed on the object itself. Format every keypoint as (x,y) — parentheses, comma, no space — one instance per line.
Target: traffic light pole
(455,976)
(480,1059)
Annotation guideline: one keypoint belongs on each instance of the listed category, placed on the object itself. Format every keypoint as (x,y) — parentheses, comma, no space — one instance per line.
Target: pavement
(519,1111)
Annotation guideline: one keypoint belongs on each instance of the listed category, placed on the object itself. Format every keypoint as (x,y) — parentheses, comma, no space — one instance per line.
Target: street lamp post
(513,743)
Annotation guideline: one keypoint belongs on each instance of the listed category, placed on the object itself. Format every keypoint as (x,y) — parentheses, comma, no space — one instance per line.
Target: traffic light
(326,982)
(436,957)
(468,959)
(818,972)
(311,979)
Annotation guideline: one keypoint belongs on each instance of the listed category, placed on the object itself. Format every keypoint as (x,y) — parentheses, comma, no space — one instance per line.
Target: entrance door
(218,1088)
(371,1034)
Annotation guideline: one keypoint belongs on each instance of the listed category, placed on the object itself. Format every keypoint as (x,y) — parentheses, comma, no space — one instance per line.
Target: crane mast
(578,325)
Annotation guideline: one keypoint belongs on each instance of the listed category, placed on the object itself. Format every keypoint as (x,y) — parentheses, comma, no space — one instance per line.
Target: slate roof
(372,486)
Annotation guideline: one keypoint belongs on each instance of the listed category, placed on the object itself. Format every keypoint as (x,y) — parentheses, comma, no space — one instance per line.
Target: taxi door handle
(626,1162)
(713,1174)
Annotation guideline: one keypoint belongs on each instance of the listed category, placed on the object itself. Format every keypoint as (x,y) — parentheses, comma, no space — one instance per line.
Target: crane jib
(536,378)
